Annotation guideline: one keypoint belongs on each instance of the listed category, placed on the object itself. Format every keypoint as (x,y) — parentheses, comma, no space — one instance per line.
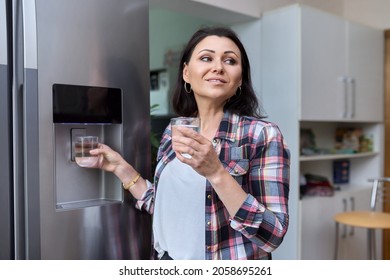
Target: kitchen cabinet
(322,63)
(305,56)
(317,230)
(342,62)
(318,226)
(365,68)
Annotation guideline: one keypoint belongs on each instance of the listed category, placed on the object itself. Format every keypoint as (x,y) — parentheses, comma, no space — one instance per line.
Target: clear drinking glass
(190,122)
(82,147)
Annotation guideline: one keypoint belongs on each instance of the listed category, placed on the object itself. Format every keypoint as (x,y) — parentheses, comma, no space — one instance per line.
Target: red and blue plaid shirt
(254,152)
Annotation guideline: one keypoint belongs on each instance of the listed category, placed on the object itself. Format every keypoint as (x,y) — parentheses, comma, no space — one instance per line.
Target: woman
(230,199)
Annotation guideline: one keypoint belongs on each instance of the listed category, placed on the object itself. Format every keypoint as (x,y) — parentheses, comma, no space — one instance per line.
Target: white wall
(247,34)
(169,31)
(375,13)
(246,7)
(332,6)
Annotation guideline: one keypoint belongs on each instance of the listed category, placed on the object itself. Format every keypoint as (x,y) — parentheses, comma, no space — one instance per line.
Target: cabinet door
(365,69)
(353,240)
(318,228)
(323,66)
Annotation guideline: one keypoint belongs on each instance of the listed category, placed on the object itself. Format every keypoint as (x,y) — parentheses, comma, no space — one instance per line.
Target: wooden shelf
(336,156)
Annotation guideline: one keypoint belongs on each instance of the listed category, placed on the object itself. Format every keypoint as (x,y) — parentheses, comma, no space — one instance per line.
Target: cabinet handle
(345,206)
(352,200)
(344,80)
(352,229)
(352,83)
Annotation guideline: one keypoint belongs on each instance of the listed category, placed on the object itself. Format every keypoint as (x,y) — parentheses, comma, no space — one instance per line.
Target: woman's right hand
(109,160)
(112,161)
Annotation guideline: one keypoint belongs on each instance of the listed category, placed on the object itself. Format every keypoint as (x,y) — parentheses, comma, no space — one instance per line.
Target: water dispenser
(79,111)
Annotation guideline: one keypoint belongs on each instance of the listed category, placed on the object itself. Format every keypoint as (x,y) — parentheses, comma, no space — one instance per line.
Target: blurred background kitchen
(318,67)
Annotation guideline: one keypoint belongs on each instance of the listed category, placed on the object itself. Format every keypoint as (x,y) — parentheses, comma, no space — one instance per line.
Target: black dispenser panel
(86,104)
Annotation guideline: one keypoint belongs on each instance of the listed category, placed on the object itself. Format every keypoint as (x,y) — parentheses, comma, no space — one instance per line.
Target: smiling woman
(232,57)
(214,74)
(232,193)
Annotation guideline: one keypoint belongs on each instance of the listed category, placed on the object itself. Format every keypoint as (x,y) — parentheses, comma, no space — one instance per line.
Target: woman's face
(214,70)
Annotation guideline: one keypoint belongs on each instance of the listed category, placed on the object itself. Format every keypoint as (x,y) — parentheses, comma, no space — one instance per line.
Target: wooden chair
(371,220)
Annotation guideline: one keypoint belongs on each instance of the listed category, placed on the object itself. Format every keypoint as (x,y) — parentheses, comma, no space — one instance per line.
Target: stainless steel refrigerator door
(94,43)
(6,239)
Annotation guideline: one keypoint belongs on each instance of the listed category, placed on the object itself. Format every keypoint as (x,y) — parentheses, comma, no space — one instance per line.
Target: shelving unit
(337,156)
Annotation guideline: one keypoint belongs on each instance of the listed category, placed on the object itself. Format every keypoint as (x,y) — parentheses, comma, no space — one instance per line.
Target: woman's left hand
(205,160)
(203,157)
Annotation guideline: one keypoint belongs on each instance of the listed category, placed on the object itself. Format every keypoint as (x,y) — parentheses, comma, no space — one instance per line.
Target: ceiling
(374,13)
(201,10)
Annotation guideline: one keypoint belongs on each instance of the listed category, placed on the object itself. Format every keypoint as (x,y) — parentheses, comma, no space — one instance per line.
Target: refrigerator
(71,68)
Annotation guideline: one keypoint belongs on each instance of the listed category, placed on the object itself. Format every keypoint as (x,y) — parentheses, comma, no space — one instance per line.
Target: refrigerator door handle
(25,115)
(17,128)
(30,34)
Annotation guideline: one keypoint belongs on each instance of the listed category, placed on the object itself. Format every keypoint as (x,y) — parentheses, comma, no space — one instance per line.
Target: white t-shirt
(179,213)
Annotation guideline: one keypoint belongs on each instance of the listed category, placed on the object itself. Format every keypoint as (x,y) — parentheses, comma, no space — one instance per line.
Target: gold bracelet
(128,185)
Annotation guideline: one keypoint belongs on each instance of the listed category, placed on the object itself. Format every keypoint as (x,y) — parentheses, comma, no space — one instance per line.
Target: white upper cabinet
(365,69)
(342,64)
(323,55)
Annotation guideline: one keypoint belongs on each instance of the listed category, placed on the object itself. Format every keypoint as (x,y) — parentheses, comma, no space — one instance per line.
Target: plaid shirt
(254,153)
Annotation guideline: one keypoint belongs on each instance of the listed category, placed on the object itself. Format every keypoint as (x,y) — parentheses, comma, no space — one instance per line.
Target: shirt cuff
(146,199)
(249,217)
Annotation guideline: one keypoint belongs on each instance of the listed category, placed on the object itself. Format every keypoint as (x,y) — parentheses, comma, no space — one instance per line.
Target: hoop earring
(238,93)
(185,88)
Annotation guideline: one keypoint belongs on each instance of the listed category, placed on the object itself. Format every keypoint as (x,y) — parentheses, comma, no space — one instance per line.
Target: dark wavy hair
(244,103)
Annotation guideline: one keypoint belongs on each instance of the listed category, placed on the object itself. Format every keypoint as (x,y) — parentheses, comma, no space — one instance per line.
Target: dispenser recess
(85,110)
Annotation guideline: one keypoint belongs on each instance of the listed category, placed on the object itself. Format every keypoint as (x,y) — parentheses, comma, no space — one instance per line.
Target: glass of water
(190,122)
(82,147)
